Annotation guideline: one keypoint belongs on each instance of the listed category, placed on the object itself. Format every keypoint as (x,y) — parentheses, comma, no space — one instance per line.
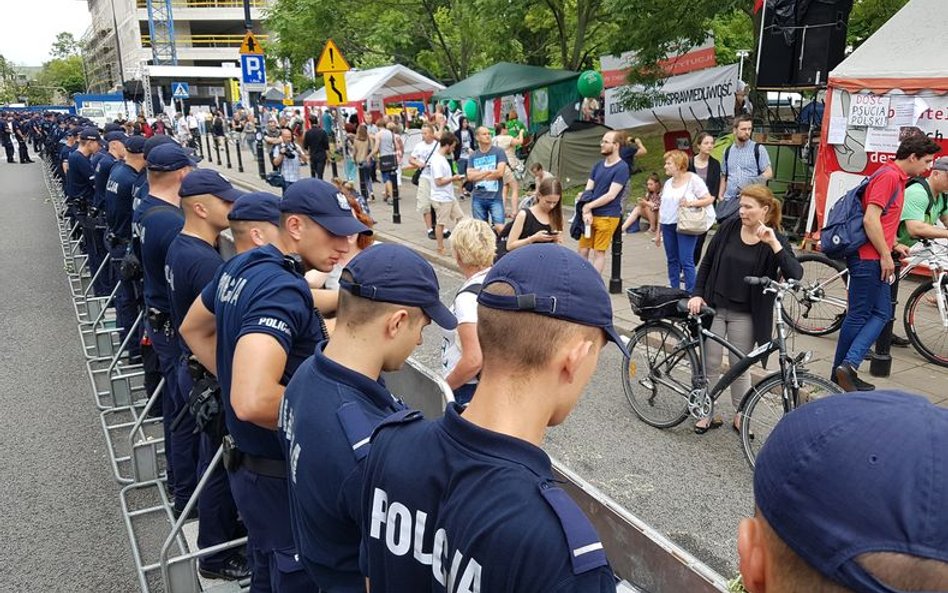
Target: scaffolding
(161,32)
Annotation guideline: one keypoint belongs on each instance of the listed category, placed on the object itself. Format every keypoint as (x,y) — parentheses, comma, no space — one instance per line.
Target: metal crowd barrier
(165,557)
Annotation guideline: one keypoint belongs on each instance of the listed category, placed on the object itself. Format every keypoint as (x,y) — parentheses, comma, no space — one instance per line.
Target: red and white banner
(615,68)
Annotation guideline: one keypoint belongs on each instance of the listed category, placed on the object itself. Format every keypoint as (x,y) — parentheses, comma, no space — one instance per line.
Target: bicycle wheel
(818,307)
(923,322)
(763,406)
(657,376)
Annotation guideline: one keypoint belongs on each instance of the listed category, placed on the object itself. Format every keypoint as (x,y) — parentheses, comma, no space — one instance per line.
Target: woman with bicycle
(748,245)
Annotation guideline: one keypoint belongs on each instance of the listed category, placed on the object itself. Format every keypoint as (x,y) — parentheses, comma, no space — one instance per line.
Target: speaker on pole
(801,41)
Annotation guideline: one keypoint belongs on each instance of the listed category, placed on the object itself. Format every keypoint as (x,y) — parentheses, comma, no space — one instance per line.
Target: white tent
(389,82)
(897,75)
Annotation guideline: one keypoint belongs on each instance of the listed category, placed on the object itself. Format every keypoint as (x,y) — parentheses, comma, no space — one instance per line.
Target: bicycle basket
(656,302)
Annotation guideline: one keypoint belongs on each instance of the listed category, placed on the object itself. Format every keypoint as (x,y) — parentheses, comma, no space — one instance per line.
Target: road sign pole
(247,23)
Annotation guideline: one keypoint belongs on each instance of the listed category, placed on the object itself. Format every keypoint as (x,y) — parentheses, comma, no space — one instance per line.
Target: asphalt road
(60,526)
(694,489)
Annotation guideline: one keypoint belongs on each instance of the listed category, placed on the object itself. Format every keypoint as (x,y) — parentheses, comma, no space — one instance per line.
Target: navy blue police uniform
(484,511)
(80,188)
(118,213)
(263,291)
(327,437)
(157,223)
(103,167)
(190,265)
(6,138)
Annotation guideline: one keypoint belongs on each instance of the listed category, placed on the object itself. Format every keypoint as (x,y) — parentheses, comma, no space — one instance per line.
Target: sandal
(715,423)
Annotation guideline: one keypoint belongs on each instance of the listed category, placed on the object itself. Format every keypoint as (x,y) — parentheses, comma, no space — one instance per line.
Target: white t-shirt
(672,198)
(440,167)
(421,152)
(465,309)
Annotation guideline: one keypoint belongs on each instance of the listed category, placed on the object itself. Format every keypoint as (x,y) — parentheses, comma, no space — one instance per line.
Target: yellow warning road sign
(250,45)
(336,88)
(331,60)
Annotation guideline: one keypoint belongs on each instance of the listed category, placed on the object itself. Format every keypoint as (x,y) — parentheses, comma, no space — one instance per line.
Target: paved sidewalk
(642,263)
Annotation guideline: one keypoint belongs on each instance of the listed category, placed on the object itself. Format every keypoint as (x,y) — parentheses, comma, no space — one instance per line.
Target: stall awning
(388,81)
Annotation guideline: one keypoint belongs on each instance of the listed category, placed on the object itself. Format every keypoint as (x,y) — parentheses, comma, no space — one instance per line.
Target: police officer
(388,294)
(140,188)
(255,220)
(21,132)
(103,163)
(157,221)
(489,516)
(118,214)
(6,137)
(79,191)
(191,262)
(252,327)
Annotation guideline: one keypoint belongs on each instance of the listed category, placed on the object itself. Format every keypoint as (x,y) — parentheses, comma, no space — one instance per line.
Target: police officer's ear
(753,554)
(573,356)
(294,224)
(398,320)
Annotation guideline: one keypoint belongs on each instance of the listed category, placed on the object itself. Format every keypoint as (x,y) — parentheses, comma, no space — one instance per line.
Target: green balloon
(453,105)
(470,109)
(589,84)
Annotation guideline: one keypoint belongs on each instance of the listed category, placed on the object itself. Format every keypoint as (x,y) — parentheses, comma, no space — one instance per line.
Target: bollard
(881,363)
(260,166)
(240,160)
(396,215)
(207,137)
(615,279)
(217,151)
(227,152)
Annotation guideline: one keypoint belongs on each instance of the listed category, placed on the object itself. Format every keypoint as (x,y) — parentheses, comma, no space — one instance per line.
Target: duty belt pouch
(232,455)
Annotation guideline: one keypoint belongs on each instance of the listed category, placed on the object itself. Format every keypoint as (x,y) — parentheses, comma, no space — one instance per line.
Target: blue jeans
(870,308)
(491,210)
(680,252)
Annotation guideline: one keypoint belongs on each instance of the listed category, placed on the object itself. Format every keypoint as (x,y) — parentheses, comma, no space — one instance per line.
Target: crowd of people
(330,490)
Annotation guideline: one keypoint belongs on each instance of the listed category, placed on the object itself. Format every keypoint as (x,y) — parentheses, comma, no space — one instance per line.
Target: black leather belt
(271,468)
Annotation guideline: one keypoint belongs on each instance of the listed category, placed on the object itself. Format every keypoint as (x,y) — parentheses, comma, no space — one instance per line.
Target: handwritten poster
(869,110)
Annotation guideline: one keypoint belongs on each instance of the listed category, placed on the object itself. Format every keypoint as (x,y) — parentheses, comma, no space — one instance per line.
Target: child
(648,207)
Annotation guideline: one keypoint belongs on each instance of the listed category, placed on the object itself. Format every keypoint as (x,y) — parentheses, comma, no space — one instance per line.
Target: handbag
(692,220)
(275,178)
(388,163)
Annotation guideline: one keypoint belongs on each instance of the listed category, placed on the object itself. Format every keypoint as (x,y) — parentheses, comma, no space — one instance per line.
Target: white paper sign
(837,130)
(869,110)
(882,140)
(903,112)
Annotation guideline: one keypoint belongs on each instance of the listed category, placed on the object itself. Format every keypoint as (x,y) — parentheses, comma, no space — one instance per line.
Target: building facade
(195,41)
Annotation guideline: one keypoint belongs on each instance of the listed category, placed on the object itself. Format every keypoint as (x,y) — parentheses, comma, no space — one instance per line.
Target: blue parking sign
(253,69)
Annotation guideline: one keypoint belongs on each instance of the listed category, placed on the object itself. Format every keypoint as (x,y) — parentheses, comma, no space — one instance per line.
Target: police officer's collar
(374,391)
(495,444)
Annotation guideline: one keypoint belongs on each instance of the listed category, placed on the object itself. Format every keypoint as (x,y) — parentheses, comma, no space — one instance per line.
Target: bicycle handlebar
(705,310)
(755,281)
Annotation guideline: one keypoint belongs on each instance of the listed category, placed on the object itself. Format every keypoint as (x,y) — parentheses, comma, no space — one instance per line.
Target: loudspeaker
(802,41)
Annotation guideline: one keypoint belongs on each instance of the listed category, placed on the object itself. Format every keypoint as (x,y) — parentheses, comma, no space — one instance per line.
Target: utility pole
(742,53)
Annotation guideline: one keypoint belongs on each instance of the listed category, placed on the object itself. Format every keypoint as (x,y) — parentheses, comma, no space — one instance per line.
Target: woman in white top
(473,243)
(681,189)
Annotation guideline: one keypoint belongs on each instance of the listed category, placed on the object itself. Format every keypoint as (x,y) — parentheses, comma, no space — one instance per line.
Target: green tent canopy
(504,79)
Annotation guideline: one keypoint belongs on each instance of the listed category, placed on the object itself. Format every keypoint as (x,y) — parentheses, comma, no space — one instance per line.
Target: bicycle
(671,349)
(819,306)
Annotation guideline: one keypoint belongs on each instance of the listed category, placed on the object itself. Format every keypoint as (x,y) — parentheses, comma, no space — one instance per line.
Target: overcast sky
(31,26)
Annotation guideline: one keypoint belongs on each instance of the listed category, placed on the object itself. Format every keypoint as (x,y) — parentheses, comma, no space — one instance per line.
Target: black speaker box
(802,41)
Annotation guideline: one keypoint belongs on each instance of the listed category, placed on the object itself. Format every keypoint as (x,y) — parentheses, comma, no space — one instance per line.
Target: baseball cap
(113,127)
(135,144)
(73,132)
(168,157)
(208,181)
(324,203)
(89,133)
(391,273)
(940,164)
(553,281)
(258,205)
(855,474)
(155,141)
(115,135)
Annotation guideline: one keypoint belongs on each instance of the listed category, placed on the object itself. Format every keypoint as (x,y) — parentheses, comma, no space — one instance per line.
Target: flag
(758,4)
(309,69)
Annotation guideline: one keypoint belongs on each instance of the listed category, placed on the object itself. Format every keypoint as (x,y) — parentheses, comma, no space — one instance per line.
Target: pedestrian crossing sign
(180,90)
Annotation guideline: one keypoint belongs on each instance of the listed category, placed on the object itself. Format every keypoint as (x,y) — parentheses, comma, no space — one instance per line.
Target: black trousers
(317,166)
(24,151)
(8,146)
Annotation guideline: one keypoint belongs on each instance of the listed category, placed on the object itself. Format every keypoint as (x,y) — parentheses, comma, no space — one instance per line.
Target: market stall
(535,93)
(897,79)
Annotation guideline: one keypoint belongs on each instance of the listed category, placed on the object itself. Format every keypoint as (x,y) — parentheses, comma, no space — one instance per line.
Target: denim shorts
(488,210)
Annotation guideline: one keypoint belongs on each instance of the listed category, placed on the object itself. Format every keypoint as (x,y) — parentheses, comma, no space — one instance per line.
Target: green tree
(867,16)
(64,46)
(66,73)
